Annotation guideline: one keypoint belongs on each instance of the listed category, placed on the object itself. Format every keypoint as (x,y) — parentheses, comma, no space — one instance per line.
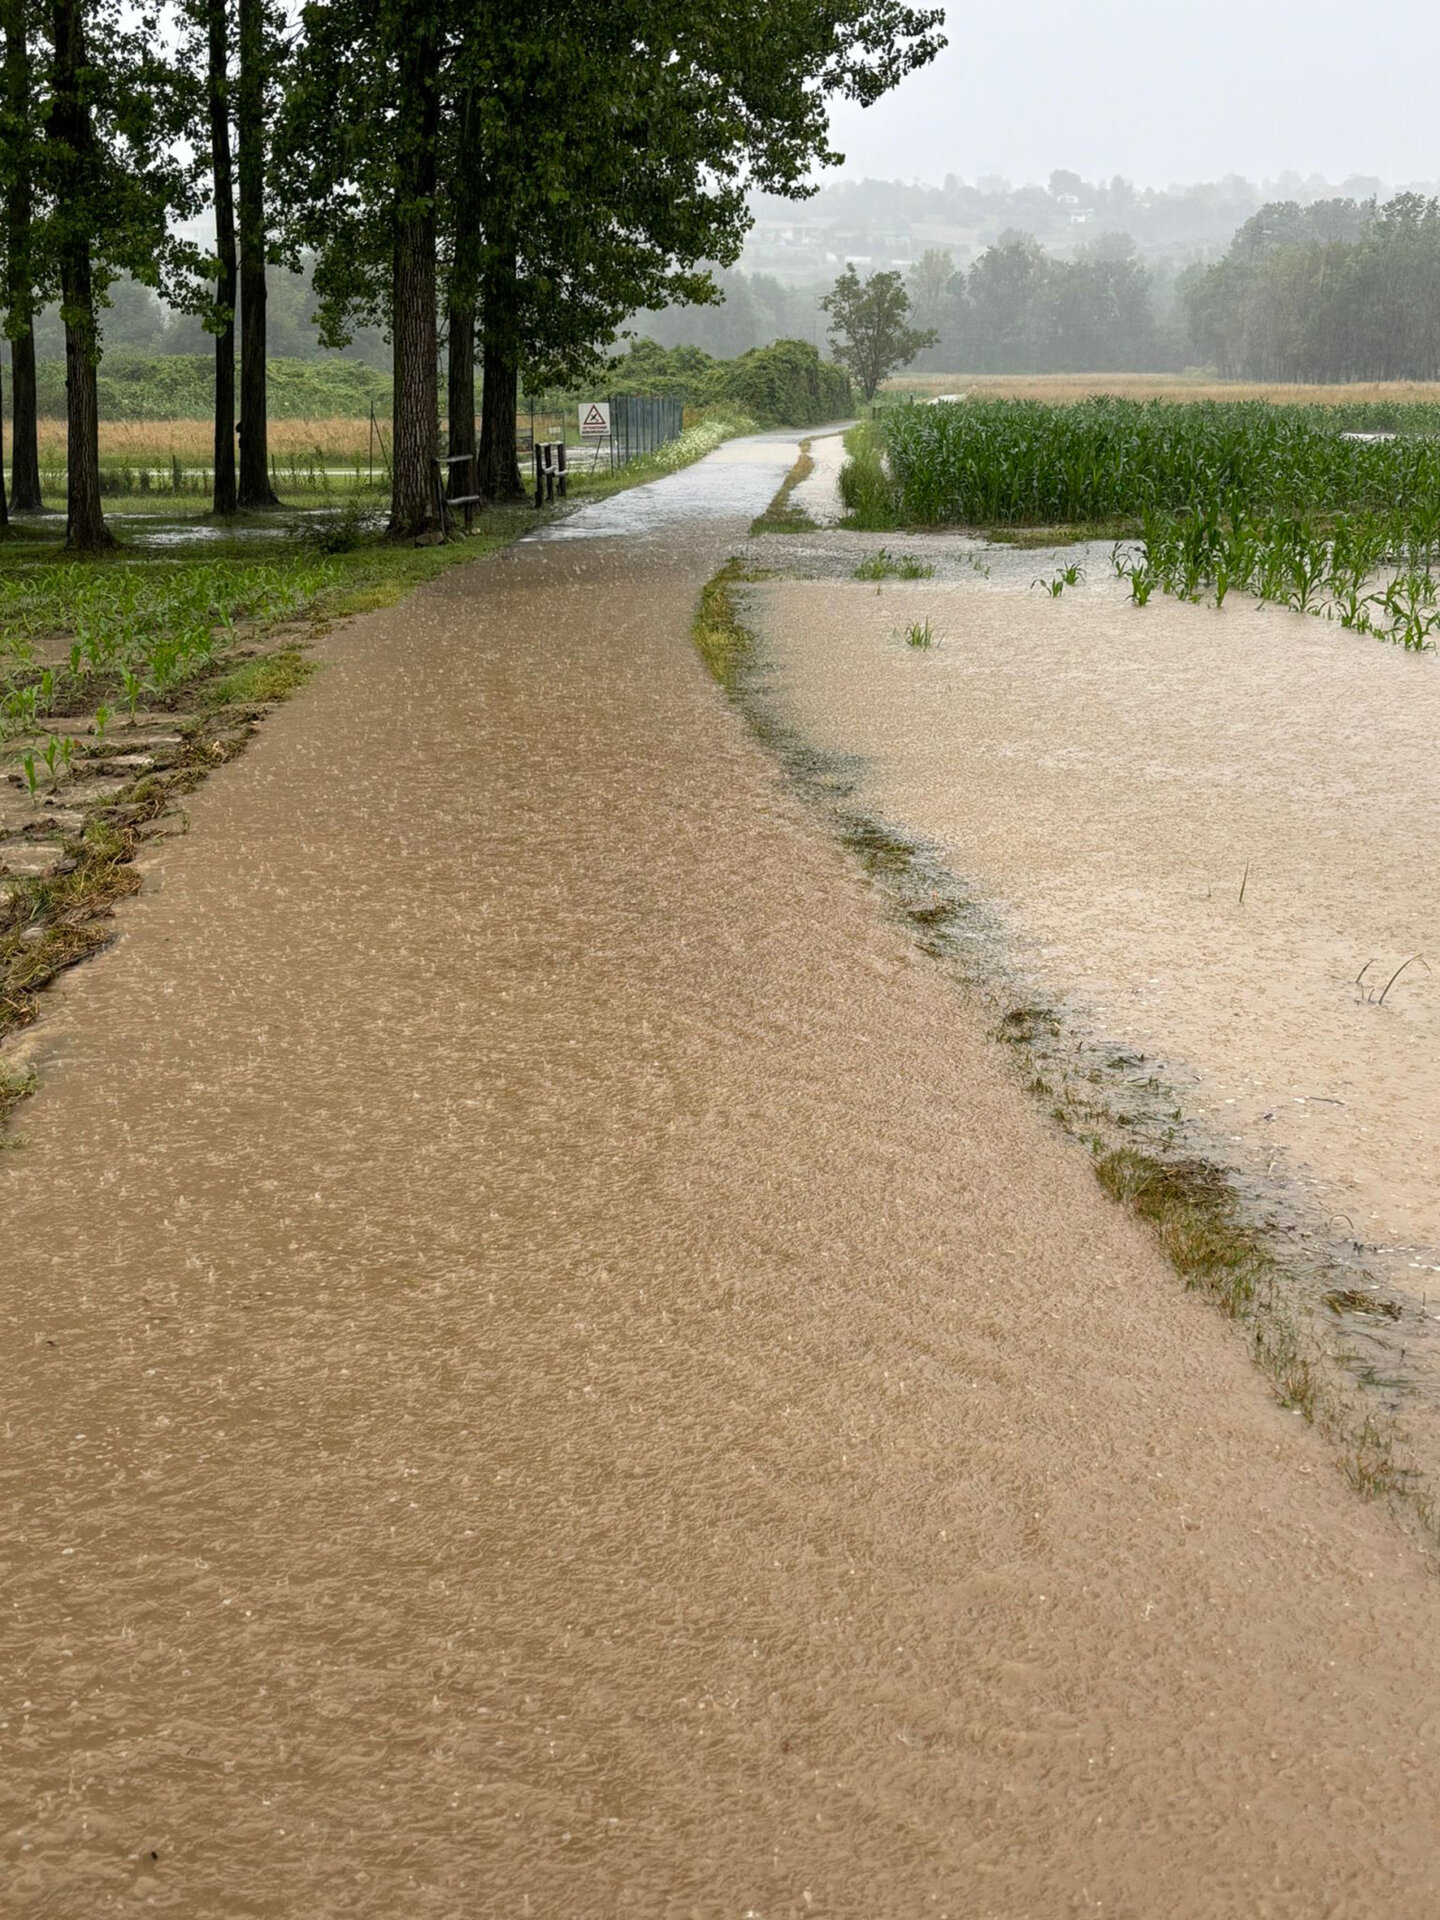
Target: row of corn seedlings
(137,631)
(1372,572)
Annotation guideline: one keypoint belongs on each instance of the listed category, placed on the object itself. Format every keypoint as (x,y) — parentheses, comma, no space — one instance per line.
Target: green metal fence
(641,423)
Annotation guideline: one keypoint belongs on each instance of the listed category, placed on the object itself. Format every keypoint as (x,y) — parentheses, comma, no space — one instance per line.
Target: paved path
(549,1369)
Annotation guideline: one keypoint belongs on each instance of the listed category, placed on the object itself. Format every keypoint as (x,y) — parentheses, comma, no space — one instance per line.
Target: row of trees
(1020,309)
(1341,290)
(512,177)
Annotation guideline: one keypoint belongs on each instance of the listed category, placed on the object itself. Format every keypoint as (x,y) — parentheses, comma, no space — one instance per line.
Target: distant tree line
(1341,290)
(1020,309)
(510,177)
(134,317)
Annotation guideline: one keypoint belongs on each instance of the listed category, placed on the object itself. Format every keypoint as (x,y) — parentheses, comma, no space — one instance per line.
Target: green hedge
(786,384)
(180,386)
(783,385)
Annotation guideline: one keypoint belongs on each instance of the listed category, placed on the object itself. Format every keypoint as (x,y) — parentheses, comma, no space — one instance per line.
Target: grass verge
(871,498)
(782,515)
(723,642)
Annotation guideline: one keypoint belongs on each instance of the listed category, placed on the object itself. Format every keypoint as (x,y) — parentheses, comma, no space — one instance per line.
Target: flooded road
(550,1370)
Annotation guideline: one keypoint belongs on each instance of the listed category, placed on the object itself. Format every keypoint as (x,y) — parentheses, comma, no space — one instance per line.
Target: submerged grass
(782,515)
(721,639)
(888,566)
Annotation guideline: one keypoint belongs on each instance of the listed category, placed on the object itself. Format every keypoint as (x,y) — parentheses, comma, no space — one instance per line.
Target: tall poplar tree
(217,69)
(253,98)
(114,179)
(77,181)
(19,156)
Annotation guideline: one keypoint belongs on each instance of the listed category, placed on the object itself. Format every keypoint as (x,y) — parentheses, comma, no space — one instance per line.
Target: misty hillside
(887,223)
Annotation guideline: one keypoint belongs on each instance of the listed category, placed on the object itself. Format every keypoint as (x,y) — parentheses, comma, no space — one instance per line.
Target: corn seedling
(919,634)
(1070,576)
(889,566)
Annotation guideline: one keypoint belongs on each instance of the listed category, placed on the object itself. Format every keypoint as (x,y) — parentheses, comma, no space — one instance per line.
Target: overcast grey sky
(1164,93)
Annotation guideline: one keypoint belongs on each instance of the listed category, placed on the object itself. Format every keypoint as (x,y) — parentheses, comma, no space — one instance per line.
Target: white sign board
(594,419)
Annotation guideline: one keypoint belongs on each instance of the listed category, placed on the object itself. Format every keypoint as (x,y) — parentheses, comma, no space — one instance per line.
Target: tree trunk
(4,509)
(85,528)
(413,508)
(461,392)
(225,498)
(25,439)
(500,395)
(499,468)
(255,489)
(462,295)
(19,289)
(73,140)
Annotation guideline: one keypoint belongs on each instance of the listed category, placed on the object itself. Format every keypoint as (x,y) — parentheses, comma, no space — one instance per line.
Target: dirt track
(552,1371)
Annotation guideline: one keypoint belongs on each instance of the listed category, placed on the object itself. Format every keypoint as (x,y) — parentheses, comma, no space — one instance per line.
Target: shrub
(786,384)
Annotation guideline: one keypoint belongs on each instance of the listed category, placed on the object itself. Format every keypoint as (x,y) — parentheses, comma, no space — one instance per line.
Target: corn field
(135,632)
(1020,463)
(1242,497)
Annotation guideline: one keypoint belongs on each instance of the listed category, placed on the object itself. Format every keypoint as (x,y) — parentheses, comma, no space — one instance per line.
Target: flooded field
(1210,833)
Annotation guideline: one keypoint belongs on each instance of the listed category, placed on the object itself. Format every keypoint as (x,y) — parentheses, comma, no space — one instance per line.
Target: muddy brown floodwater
(1201,825)
(550,1371)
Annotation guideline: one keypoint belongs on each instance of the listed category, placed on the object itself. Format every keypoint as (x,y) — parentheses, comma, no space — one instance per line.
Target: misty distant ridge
(893,223)
(1288,280)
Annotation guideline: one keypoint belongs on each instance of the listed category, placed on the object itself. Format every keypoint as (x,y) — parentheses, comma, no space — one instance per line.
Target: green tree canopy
(869,330)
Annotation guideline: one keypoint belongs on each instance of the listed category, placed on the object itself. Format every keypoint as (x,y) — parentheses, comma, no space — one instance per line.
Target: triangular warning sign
(594,418)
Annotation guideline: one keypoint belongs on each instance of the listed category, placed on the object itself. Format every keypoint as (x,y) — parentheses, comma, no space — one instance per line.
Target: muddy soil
(551,1369)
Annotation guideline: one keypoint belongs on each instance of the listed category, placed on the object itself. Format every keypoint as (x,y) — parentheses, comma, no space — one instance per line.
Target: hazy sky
(1163,93)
